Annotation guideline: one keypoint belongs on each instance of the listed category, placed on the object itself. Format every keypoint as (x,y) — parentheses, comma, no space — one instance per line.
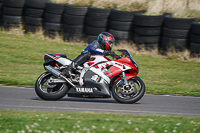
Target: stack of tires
(53,19)
(74,21)
(13,13)
(1,11)
(147,31)
(121,24)
(34,14)
(175,33)
(96,22)
(195,39)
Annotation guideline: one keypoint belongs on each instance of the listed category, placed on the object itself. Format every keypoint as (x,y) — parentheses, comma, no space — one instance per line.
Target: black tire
(195,28)
(122,26)
(121,35)
(51,33)
(98,13)
(178,23)
(145,20)
(54,8)
(75,10)
(36,13)
(1,15)
(134,94)
(33,21)
(94,30)
(8,26)
(12,19)
(90,39)
(55,93)
(74,29)
(195,38)
(1,6)
(125,16)
(73,37)
(147,30)
(195,47)
(175,33)
(146,39)
(74,20)
(53,18)
(15,3)
(31,28)
(13,11)
(101,23)
(1,1)
(172,43)
(148,47)
(53,26)
(38,4)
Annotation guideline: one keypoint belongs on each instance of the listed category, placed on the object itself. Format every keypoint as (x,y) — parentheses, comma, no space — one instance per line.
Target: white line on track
(100,110)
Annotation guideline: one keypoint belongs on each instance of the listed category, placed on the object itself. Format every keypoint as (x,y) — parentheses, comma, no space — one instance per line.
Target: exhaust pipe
(57,73)
(53,71)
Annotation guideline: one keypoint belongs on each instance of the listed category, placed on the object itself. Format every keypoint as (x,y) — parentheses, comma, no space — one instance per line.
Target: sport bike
(99,77)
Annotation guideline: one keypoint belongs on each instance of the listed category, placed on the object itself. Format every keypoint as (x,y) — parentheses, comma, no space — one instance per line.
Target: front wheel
(47,91)
(131,94)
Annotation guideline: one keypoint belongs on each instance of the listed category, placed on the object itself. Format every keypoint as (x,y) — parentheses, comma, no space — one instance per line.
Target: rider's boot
(83,57)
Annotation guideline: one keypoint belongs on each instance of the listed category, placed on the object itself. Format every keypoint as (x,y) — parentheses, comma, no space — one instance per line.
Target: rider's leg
(82,58)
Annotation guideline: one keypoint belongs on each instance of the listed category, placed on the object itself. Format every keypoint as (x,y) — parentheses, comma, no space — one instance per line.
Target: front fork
(125,80)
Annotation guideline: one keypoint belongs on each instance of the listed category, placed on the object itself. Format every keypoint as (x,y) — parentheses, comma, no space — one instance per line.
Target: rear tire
(56,92)
(134,94)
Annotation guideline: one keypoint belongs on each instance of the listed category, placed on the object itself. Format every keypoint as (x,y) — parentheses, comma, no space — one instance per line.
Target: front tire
(133,94)
(52,91)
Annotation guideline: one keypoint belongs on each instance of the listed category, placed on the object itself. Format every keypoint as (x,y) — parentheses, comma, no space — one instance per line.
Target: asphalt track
(19,98)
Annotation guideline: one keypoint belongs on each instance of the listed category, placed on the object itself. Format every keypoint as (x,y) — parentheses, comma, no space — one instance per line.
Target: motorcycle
(99,77)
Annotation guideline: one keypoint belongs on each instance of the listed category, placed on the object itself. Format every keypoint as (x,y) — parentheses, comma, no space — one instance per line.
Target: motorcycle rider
(102,46)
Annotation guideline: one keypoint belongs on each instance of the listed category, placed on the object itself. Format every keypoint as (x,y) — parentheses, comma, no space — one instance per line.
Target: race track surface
(18,98)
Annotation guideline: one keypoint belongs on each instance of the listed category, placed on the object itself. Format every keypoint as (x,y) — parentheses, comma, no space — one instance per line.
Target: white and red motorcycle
(99,77)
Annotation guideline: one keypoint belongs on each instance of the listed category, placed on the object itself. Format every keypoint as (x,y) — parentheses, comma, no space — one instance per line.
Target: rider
(102,46)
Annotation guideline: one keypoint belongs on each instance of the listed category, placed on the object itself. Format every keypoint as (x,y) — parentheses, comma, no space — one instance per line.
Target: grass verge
(21,61)
(49,122)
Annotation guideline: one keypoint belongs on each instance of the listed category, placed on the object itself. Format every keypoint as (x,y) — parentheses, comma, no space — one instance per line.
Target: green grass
(21,61)
(84,122)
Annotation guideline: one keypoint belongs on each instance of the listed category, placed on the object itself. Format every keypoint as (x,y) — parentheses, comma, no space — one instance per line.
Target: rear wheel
(48,91)
(131,94)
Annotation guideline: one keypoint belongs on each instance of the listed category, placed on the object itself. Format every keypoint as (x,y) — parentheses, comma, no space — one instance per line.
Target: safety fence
(85,23)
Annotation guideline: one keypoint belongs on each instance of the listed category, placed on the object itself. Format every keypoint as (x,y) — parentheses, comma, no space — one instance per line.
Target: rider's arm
(94,49)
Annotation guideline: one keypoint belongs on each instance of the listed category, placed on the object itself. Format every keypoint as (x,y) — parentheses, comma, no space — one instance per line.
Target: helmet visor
(111,43)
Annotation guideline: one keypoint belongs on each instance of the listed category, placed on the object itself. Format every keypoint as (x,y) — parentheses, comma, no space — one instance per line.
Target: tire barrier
(147,30)
(77,22)
(53,20)
(96,22)
(13,13)
(121,24)
(175,33)
(34,14)
(74,22)
(1,12)
(195,38)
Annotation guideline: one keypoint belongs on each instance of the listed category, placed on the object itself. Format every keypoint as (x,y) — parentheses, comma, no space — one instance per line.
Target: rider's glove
(109,53)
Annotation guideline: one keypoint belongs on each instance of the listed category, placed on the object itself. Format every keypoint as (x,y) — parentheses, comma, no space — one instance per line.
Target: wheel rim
(128,93)
(46,87)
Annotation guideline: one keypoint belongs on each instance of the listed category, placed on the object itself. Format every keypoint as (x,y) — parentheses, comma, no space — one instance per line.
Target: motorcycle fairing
(96,59)
(59,58)
(108,70)
(94,86)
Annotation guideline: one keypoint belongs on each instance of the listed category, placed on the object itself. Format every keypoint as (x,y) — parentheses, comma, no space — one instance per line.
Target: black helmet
(107,40)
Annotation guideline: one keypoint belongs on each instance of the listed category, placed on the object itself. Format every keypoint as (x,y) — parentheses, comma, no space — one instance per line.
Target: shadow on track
(89,100)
